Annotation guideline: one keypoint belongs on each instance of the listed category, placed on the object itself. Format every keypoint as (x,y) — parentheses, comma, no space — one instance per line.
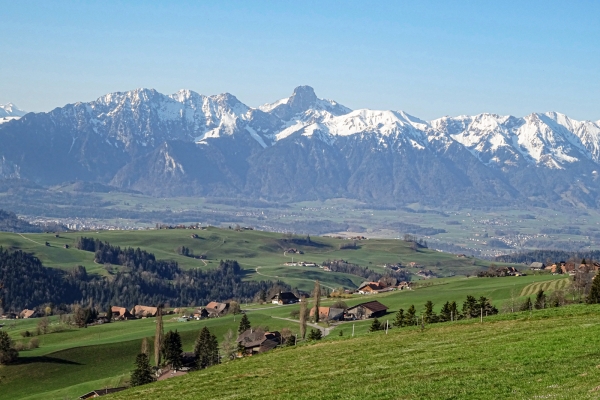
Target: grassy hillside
(252,249)
(553,354)
(74,361)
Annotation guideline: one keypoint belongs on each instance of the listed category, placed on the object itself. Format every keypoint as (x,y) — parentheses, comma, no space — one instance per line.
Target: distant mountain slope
(9,222)
(9,112)
(303,147)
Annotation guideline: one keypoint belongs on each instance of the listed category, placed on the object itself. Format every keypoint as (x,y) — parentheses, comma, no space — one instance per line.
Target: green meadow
(74,361)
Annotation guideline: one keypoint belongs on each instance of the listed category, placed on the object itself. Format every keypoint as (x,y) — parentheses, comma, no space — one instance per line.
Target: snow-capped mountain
(304,147)
(10,112)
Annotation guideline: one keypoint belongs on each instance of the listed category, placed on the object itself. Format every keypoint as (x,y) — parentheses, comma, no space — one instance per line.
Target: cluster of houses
(379,287)
(564,267)
(300,264)
(25,314)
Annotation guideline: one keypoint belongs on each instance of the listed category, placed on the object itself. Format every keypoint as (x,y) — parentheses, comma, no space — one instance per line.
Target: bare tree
(158,336)
(145,347)
(303,312)
(317,297)
(228,345)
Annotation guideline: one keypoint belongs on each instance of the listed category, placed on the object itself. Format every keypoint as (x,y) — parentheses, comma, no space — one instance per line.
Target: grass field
(533,288)
(552,354)
(74,361)
(252,249)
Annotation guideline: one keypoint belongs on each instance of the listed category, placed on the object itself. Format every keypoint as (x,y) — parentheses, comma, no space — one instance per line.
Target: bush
(295,314)
(19,346)
(315,334)
(34,343)
(26,334)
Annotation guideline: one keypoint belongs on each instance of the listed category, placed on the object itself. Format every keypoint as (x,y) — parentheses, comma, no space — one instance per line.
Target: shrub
(315,334)
(34,343)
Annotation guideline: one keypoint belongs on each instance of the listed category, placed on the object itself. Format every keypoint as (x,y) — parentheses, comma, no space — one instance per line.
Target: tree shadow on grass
(43,359)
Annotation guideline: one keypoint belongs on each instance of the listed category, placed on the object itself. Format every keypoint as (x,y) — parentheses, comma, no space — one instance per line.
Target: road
(324,331)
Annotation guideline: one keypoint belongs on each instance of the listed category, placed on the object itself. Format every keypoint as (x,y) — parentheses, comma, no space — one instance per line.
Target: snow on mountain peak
(10,112)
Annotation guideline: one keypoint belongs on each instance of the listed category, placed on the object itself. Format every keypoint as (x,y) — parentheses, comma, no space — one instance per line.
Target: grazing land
(551,354)
(74,361)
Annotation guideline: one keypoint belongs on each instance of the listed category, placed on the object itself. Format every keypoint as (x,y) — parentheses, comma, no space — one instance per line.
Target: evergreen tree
(594,296)
(429,316)
(317,297)
(244,324)
(487,307)
(527,305)
(171,350)
(8,354)
(445,312)
(315,334)
(470,308)
(540,300)
(375,326)
(411,315)
(400,320)
(206,349)
(142,374)
(109,313)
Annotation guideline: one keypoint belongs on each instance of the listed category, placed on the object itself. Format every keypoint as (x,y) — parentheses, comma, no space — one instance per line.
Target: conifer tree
(109,313)
(540,300)
(445,313)
(171,350)
(244,324)
(470,308)
(527,305)
(375,326)
(400,319)
(411,315)
(315,334)
(8,353)
(317,297)
(429,316)
(142,374)
(594,296)
(206,349)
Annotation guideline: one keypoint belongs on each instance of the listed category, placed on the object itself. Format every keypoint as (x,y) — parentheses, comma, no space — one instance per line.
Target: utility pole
(451,316)
(387,324)
(352,330)
(482,315)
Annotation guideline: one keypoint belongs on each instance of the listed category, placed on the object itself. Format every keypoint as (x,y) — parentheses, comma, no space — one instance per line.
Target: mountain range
(303,148)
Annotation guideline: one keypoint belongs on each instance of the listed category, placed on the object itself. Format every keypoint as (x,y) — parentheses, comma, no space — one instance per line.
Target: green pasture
(551,354)
(251,249)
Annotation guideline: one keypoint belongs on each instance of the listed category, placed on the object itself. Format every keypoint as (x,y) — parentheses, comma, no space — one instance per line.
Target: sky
(428,58)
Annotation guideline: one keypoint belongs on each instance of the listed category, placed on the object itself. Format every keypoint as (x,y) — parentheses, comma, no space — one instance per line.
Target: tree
(206,349)
(291,340)
(228,345)
(303,317)
(234,308)
(81,316)
(8,353)
(411,315)
(43,325)
(594,296)
(142,374)
(429,316)
(375,326)
(485,307)
(109,313)
(158,336)
(400,320)
(244,324)
(317,297)
(145,347)
(171,350)
(540,300)
(445,313)
(527,305)
(470,308)
(315,334)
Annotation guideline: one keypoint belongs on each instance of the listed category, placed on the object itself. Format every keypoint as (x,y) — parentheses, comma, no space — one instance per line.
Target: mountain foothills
(304,148)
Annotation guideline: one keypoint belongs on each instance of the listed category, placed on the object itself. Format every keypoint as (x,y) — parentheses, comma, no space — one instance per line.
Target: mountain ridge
(303,147)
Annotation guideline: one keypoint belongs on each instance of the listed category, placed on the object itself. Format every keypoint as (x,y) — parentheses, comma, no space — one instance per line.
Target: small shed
(537,266)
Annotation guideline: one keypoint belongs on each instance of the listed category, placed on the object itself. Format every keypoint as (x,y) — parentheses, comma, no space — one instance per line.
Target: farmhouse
(328,313)
(284,298)
(369,288)
(371,309)
(144,311)
(121,313)
(537,266)
(216,309)
(201,313)
(257,341)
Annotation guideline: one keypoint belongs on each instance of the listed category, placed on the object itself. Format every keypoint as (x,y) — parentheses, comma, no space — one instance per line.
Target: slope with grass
(552,354)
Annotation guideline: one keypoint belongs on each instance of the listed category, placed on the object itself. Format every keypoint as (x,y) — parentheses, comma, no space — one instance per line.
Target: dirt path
(31,240)
(300,279)
(324,331)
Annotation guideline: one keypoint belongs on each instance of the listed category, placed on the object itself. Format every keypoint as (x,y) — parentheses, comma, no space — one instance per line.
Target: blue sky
(429,58)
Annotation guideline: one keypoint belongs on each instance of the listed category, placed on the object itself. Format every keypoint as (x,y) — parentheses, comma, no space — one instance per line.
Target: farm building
(371,309)
(256,341)
(121,313)
(144,311)
(537,266)
(284,298)
(216,309)
(27,314)
(101,392)
(328,313)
